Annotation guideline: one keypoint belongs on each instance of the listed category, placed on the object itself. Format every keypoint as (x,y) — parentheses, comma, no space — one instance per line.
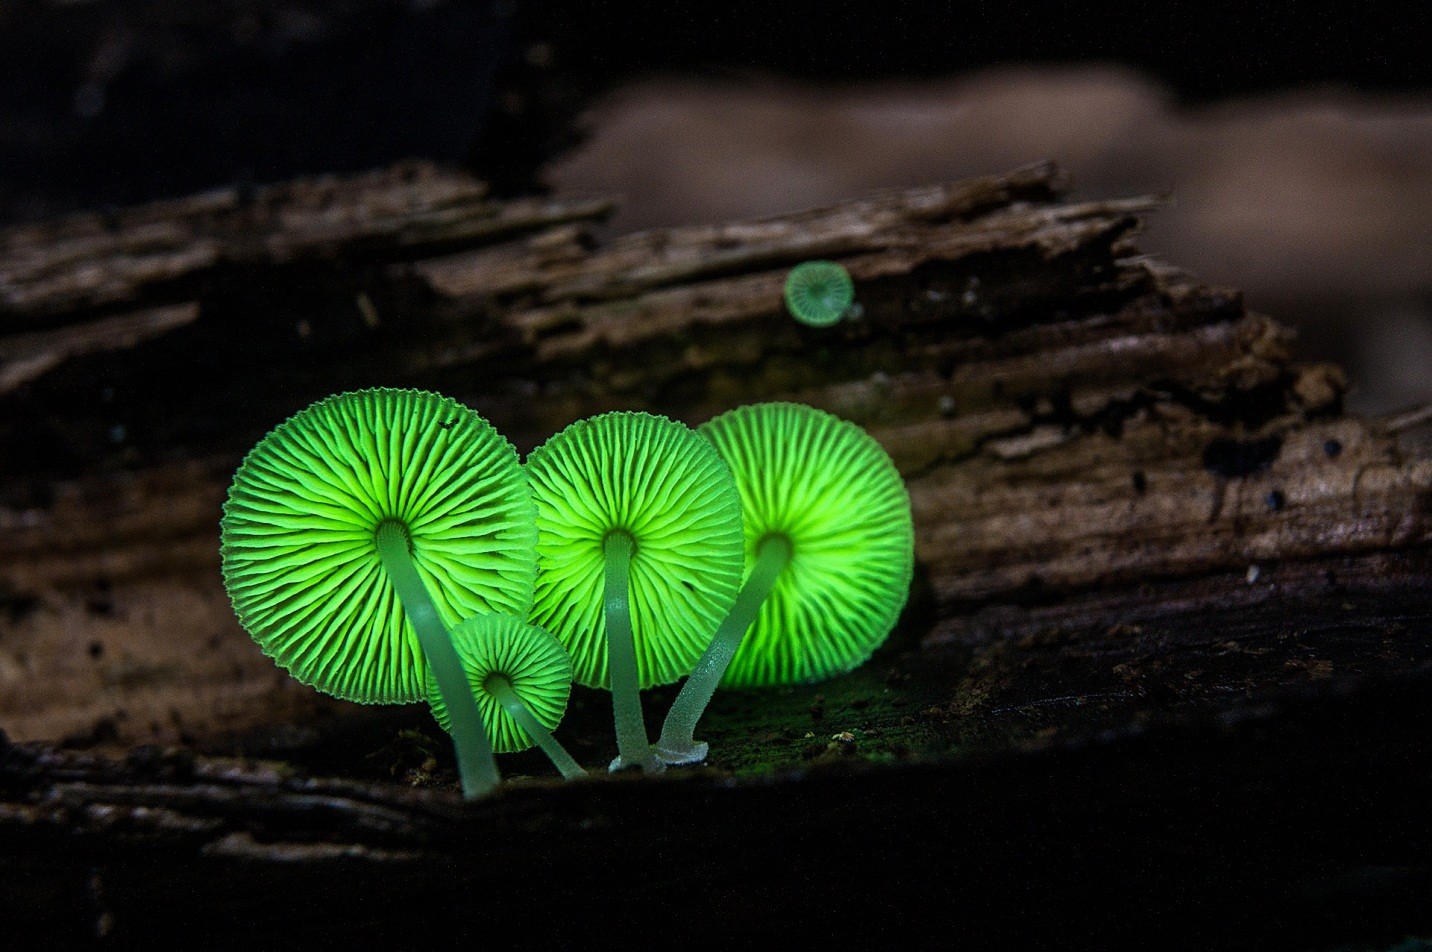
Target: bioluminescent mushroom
(829,543)
(521,677)
(819,293)
(359,530)
(639,556)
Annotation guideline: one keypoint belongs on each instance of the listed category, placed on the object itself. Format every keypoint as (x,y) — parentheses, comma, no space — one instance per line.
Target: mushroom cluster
(361,530)
(387,546)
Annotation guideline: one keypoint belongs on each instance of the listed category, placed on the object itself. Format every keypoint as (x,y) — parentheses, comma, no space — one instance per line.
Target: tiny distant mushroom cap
(532,661)
(819,293)
(658,481)
(833,493)
(299,531)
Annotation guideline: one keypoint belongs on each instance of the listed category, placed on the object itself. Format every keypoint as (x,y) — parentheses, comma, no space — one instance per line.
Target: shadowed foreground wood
(1106,786)
(1170,619)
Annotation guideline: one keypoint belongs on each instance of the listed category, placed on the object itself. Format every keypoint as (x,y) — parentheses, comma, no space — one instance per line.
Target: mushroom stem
(678,744)
(475,762)
(501,688)
(633,748)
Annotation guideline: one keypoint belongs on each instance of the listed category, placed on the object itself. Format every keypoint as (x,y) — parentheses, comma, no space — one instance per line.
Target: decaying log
(1134,512)
(1068,413)
(56,269)
(1289,795)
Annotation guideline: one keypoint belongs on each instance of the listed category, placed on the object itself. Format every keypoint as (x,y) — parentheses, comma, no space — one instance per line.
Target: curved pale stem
(501,688)
(475,763)
(633,748)
(678,744)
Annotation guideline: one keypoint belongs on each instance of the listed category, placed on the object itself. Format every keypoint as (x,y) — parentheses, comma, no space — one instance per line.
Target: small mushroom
(829,543)
(639,556)
(521,677)
(819,293)
(359,530)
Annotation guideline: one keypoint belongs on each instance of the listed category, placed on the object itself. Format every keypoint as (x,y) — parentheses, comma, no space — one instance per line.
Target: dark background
(119,101)
(1294,138)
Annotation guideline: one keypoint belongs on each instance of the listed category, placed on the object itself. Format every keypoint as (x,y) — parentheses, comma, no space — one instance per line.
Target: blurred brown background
(1317,202)
(1293,138)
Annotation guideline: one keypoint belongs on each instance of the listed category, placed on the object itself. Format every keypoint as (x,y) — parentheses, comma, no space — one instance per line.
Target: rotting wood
(50,270)
(1134,511)
(28,356)
(1069,414)
(1096,735)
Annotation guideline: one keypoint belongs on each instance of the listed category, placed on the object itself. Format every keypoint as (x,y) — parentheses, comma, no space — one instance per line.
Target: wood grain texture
(1068,414)
(1150,547)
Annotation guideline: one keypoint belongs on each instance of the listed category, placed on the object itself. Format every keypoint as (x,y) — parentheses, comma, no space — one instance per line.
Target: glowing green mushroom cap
(819,293)
(532,661)
(656,480)
(300,557)
(827,487)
